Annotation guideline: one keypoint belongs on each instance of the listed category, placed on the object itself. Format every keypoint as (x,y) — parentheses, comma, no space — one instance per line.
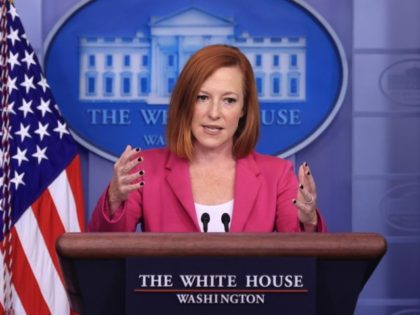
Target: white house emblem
(119,83)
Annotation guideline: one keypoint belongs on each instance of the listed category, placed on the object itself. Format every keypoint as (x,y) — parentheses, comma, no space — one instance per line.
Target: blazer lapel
(179,180)
(247,187)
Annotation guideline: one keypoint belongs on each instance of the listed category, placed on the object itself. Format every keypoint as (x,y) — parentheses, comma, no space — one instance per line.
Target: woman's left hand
(306,198)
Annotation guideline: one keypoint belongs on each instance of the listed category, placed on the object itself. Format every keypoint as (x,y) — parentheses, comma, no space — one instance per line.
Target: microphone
(225,221)
(205,218)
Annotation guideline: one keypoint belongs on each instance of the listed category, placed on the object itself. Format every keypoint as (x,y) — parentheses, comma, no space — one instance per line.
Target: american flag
(39,177)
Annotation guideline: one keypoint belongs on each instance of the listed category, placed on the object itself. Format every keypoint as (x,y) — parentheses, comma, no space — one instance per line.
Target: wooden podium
(94,264)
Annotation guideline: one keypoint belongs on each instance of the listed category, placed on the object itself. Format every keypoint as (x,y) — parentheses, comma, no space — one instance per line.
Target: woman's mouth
(212,129)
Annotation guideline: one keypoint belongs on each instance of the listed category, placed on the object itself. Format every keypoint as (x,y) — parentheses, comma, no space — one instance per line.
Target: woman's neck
(212,175)
(212,157)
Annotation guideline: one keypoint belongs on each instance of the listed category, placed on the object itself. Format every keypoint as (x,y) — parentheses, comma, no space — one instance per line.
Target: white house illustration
(145,68)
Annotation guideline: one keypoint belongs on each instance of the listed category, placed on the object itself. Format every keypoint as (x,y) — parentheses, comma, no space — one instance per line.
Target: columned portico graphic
(144,68)
(118,80)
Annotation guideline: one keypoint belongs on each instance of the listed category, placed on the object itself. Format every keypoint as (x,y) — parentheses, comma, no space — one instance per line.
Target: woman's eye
(202,98)
(230,100)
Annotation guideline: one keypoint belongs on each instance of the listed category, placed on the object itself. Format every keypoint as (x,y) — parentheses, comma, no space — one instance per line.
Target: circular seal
(400,82)
(400,207)
(112,67)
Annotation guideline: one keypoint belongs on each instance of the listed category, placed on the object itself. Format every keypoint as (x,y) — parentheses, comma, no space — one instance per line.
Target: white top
(215,213)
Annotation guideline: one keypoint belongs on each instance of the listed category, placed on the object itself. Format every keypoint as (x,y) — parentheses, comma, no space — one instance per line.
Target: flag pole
(6,165)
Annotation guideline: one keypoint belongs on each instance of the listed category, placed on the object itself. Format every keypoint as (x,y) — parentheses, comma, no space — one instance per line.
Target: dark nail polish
(294,201)
(308,173)
(140,159)
(301,186)
(141,184)
(306,164)
(137,149)
(141,173)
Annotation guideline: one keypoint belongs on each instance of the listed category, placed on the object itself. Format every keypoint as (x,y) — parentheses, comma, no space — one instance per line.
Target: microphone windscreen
(205,217)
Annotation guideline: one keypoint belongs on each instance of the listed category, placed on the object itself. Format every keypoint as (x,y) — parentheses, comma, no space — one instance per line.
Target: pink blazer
(264,189)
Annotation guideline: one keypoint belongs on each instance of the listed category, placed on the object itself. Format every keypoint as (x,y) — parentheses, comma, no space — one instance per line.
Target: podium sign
(217,273)
(221,285)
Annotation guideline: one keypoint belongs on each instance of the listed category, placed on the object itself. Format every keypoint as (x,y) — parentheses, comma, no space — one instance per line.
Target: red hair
(196,71)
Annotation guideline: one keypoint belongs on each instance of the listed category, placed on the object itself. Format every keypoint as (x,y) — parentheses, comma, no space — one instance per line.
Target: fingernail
(141,184)
(140,159)
(294,201)
(141,172)
(301,186)
(308,173)
(306,164)
(137,149)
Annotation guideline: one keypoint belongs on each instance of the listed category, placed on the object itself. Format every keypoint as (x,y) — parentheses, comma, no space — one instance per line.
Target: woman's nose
(214,110)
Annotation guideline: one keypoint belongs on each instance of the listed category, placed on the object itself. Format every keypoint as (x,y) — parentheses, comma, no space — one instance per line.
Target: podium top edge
(321,245)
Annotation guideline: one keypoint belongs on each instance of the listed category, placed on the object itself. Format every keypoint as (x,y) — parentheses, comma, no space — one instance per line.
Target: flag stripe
(17,304)
(64,201)
(75,181)
(41,264)
(50,225)
(24,281)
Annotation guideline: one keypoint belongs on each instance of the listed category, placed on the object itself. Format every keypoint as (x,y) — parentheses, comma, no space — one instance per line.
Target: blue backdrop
(366,162)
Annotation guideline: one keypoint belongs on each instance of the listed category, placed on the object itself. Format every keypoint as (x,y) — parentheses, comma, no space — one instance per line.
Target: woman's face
(218,108)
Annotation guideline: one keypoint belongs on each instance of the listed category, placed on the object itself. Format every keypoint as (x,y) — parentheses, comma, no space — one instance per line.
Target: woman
(209,178)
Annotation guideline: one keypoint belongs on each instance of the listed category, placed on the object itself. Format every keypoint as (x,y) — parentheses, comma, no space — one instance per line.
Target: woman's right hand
(124,180)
